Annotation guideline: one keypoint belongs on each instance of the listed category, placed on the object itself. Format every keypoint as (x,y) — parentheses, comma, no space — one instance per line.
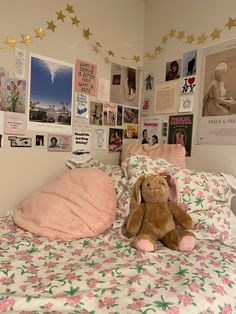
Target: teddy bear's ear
(136,198)
(173,187)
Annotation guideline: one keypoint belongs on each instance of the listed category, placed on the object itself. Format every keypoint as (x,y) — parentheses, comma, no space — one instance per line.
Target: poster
(20,141)
(96,111)
(186,103)
(119,120)
(85,77)
(3,73)
(190,63)
(20,59)
(109,114)
(115,139)
(131,115)
(131,131)
(148,93)
(81,142)
(165,98)
(39,141)
(103,93)
(14,123)
(59,143)
(153,130)
(100,138)
(81,105)
(217,116)
(13,95)
(173,70)
(124,85)
(180,131)
(50,94)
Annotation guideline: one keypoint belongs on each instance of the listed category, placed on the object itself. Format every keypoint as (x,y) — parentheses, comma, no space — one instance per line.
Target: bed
(104,274)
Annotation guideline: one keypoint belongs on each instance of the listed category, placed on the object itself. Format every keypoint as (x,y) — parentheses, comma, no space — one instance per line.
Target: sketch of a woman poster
(216,102)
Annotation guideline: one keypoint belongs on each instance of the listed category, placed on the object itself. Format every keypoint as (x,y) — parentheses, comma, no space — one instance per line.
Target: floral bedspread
(106,275)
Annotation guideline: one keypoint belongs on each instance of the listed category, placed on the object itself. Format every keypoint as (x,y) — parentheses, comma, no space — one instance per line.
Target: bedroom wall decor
(50,105)
(70,12)
(217,110)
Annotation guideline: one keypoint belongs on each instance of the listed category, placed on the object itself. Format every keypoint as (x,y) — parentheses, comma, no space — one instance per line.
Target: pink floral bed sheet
(106,275)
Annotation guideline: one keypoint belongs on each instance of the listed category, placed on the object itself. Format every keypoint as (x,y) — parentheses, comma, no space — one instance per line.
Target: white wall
(192,17)
(115,24)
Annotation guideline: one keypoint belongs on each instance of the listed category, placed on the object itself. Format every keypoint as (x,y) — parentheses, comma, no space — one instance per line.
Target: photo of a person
(96,109)
(145,139)
(173,70)
(215,102)
(53,142)
(39,140)
(154,139)
(180,137)
(115,139)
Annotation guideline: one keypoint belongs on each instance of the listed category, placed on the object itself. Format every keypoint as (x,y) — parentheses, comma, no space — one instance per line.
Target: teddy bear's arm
(181,216)
(135,218)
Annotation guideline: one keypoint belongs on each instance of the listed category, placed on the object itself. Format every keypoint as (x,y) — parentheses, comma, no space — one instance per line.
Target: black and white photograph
(96,112)
(39,141)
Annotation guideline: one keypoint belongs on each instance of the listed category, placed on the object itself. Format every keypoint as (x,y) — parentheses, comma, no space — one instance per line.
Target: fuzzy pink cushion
(80,203)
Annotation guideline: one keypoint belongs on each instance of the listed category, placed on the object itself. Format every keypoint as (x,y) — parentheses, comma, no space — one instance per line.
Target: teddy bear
(156,216)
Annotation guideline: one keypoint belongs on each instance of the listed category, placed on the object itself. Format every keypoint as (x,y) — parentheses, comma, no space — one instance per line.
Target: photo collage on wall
(168,100)
(67,105)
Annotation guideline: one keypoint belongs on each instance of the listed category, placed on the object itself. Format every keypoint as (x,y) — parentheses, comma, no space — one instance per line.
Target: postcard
(59,143)
(81,105)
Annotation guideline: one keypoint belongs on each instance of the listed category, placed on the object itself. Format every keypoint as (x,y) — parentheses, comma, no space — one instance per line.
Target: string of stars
(52,25)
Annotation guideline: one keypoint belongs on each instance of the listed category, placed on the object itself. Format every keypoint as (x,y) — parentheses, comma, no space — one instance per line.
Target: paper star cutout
(110,53)
(180,35)
(40,33)
(51,26)
(26,39)
(136,58)
(75,21)
(164,39)
(148,55)
(60,16)
(158,49)
(190,39)
(86,33)
(201,39)
(231,23)
(96,49)
(69,8)
(172,33)
(215,34)
(97,43)
(10,42)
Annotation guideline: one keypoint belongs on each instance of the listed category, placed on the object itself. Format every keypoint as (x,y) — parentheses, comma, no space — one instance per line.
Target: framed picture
(217,116)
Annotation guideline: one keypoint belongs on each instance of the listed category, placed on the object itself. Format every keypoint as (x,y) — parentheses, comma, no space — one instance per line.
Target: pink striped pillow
(172,153)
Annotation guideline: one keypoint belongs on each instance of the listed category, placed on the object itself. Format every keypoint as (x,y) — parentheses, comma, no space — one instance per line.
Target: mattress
(105,275)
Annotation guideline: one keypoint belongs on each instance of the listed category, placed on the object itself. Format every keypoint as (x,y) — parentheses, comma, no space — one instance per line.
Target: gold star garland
(108,53)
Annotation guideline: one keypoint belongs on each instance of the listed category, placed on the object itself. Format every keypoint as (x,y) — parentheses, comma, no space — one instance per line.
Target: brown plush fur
(154,219)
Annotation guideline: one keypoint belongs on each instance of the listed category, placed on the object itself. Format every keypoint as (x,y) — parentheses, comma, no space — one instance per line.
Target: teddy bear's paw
(187,243)
(144,245)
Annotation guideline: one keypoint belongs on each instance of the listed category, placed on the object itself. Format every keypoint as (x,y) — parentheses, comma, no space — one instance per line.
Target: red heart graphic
(191,80)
